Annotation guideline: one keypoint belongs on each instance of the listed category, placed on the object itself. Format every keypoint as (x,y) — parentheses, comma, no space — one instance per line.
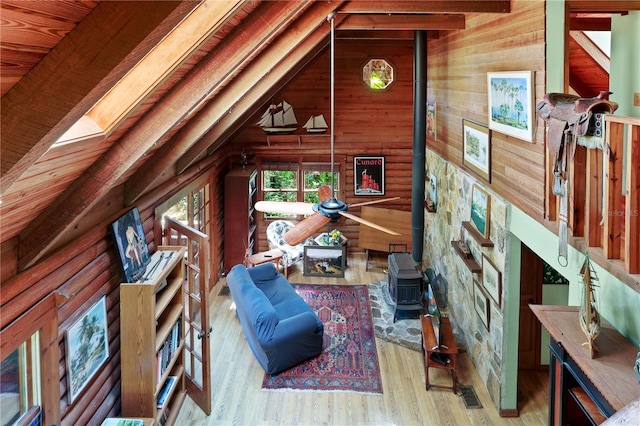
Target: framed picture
(476,148)
(131,244)
(492,280)
(431,200)
(511,99)
(87,347)
(368,175)
(480,210)
(324,261)
(431,119)
(481,304)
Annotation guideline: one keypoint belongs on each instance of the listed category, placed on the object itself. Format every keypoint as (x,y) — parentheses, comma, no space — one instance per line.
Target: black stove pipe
(419,143)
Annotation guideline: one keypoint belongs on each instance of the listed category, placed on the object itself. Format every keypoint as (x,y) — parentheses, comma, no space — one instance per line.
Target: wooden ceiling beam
(611,6)
(178,105)
(427,6)
(257,68)
(77,72)
(590,24)
(403,22)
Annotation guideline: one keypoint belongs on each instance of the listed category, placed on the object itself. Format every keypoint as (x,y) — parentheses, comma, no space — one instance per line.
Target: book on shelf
(168,349)
(168,386)
(112,421)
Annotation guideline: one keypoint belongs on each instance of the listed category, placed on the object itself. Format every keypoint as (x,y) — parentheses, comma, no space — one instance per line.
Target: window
(295,182)
(20,384)
(377,74)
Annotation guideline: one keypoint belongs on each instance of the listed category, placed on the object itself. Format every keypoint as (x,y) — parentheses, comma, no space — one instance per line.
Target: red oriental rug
(348,361)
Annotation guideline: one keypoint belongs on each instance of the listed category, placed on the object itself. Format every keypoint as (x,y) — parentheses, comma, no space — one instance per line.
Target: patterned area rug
(406,331)
(348,361)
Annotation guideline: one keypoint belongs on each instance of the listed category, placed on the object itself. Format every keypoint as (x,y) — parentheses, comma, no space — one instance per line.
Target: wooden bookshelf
(152,336)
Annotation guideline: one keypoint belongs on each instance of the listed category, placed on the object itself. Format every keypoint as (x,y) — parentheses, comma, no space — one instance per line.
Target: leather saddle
(565,113)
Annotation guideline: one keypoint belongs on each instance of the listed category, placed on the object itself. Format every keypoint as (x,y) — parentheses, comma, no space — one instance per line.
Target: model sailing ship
(316,124)
(589,316)
(279,118)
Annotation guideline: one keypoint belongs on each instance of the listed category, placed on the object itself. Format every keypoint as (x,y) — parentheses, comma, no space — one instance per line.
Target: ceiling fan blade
(368,223)
(285,207)
(366,203)
(325,193)
(305,228)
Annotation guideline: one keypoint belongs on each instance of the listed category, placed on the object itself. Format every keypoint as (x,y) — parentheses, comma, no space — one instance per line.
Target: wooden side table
(274,256)
(448,347)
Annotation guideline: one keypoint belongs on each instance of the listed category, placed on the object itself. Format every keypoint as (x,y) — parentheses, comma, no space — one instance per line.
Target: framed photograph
(87,348)
(476,148)
(492,280)
(480,210)
(431,200)
(431,119)
(324,261)
(368,175)
(132,247)
(481,304)
(511,99)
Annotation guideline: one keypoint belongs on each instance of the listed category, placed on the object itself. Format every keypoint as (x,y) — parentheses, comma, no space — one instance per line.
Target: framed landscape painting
(511,101)
(324,261)
(476,148)
(481,304)
(480,210)
(492,280)
(87,347)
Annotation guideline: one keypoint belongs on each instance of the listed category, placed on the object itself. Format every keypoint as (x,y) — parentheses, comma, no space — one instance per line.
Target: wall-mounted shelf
(484,242)
(300,138)
(470,262)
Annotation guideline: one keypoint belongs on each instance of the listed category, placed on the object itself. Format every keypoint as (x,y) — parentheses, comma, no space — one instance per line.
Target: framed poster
(324,261)
(87,347)
(480,210)
(511,100)
(368,175)
(476,148)
(431,119)
(481,304)
(131,244)
(492,280)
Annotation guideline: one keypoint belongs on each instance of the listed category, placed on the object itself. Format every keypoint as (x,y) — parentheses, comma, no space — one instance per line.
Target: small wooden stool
(448,347)
(274,256)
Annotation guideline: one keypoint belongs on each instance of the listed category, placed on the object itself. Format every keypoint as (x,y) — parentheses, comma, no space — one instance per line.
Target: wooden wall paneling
(612,227)
(456,72)
(593,190)
(632,205)
(578,199)
(367,122)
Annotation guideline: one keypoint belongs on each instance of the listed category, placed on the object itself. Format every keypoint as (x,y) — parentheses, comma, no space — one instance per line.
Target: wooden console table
(583,390)
(448,348)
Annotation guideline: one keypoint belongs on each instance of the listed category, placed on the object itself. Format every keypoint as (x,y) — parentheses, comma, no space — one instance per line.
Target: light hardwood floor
(236,379)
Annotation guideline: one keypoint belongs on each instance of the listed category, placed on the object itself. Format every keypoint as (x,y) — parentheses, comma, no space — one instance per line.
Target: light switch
(636,99)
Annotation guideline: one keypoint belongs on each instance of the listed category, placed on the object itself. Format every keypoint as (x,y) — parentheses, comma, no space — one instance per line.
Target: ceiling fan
(329,209)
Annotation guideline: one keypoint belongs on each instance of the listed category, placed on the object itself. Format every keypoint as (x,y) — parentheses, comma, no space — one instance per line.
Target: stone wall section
(454,188)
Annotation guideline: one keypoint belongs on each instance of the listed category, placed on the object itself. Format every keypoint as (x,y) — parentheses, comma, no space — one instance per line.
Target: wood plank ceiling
(61,59)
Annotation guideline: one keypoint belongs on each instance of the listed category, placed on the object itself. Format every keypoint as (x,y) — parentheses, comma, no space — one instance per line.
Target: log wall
(86,268)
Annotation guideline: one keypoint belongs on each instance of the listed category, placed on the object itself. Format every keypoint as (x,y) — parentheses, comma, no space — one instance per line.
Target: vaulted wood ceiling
(62,62)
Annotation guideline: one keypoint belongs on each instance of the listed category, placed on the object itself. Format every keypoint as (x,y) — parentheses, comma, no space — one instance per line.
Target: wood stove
(405,283)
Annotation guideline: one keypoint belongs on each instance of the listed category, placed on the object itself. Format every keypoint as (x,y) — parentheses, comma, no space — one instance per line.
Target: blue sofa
(279,325)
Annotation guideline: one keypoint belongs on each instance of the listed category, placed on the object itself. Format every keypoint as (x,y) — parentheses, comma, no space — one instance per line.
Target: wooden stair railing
(604,201)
